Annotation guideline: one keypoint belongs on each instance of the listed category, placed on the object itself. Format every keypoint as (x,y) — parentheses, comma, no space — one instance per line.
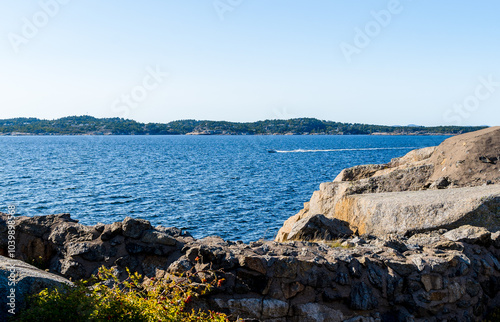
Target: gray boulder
(469,234)
(19,280)
(409,212)
(135,227)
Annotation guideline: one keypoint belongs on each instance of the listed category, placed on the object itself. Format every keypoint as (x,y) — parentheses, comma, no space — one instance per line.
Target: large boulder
(469,159)
(386,198)
(416,211)
(19,280)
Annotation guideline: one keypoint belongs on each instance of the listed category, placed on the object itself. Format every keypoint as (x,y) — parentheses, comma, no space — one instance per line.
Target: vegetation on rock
(106,298)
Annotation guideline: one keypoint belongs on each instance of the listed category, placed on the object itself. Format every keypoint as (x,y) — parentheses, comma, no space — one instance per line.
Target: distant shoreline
(188,134)
(88,125)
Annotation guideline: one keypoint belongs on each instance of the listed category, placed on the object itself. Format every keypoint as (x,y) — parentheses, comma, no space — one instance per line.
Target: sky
(378,62)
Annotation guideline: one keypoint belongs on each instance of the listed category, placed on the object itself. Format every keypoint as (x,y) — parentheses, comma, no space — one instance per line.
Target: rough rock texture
(469,159)
(25,280)
(319,227)
(357,194)
(408,212)
(433,276)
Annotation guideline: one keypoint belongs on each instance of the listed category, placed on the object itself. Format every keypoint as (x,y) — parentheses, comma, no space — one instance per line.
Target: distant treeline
(77,125)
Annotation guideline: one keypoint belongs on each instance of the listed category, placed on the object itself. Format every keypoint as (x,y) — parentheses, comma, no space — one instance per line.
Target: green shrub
(105,298)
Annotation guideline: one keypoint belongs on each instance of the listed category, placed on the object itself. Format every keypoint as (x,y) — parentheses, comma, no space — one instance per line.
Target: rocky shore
(413,240)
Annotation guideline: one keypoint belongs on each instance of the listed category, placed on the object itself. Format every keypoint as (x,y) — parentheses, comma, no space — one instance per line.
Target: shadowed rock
(318,227)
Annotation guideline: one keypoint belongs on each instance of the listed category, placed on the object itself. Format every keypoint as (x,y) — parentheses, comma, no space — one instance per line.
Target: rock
(424,278)
(405,212)
(318,227)
(272,308)
(359,172)
(362,297)
(314,312)
(440,183)
(383,199)
(292,289)
(252,263)
(156,237)
(29,280)
(455,292)
(469,234)
(495,239)
(468,150)
(64,232)
(432,282)
(111,231)
(248,307)
(135,227)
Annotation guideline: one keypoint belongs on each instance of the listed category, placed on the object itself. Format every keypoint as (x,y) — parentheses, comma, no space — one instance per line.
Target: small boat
(271,151)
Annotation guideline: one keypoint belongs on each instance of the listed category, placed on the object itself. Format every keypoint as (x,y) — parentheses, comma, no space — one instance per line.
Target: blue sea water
(209,185)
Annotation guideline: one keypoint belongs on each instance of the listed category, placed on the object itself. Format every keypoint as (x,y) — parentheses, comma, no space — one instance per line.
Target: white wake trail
(340,150)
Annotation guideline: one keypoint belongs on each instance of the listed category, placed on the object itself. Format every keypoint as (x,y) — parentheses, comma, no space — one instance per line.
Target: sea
(237,187)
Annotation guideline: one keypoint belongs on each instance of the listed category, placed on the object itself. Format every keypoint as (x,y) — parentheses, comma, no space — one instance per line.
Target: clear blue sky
(252,59)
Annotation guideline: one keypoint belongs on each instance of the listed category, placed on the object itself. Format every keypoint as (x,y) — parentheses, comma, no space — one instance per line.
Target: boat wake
(341,150)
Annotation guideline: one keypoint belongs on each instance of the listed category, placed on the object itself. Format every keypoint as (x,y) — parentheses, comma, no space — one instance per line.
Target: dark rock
(330,295)
(495,239)
(251,280)
(375,276)
(135,248)
(402,268)
(135,227)
(448,245)
(156,237)
(318,227)
(396,245)
(362,297)
(110,231)
(292,289)
(441,183)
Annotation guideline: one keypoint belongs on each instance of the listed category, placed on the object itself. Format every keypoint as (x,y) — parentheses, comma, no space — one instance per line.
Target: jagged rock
(110,231)
(135,227)
(318,227)
(362,297)
(469,234)
(495,239)
(156,237)
(28,280)
(441,183)
(359,172)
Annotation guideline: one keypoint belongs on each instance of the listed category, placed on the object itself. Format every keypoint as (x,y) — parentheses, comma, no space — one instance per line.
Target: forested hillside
(77,125)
